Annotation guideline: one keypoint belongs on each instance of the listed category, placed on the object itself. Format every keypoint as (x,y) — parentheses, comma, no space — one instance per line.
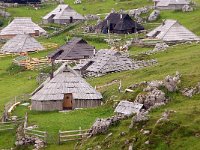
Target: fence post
(59,137)
(80,132)
(25,122)
(45,136)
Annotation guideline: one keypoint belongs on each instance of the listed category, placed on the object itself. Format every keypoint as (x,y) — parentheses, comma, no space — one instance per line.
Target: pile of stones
(189,92)
(159,47)
(187,8)
(102,125)
(77,2)
(23,139)
(151,98)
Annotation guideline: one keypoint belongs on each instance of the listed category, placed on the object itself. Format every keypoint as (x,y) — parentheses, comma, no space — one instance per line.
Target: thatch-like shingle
(172,31)
(21,25)
(66,81)
(22,43)
(119,23)
(75,49)
(62,14)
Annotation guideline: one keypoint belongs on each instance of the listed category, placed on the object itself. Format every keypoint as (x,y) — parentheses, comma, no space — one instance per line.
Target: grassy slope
(183,124)
(182,58)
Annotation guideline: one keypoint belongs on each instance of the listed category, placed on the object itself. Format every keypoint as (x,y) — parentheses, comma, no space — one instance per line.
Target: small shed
(118,23)
(66,90)
(172,31)
(170,4)
(62,14)
(22,43)
(128,108)
(75,49)
(105,61)
(21,25)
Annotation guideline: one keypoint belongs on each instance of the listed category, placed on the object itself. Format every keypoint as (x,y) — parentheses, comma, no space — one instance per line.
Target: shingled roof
(75,49)
(65,80)
(105,61)
(64,11)
(22,43)
(119,23)
(128,108)
(172,31)
(21,25)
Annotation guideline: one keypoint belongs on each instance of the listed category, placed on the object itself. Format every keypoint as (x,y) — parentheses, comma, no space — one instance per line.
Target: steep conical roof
(22,43)
(171,30)
(66,80)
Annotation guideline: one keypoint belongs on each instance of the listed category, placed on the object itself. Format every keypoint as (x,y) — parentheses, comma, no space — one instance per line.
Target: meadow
(181,131)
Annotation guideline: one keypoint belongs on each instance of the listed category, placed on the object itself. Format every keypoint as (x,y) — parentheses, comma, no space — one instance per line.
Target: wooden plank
(72,135)
(36,131)
(38,135)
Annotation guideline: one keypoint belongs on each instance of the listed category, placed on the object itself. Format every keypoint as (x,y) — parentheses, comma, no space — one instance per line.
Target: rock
(189,92)
(141,116)
(147,142)
(159,47)
(171,82)
(130,146)
(187,8)
(146,132)
(165,116)
(122,133)
(77,2)
(102,125)
(151,98)
(154,15)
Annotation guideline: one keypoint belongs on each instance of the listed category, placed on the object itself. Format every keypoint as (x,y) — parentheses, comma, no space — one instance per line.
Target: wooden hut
(118,23)
(22,43)
(21,25)
(66,90)
(104,61)
(170,4)
(75,49)
(171,31)
(62,14)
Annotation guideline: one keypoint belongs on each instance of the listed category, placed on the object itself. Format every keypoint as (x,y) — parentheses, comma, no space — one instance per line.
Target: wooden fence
(9,106)
(36,133)
(72,135)
(11,125)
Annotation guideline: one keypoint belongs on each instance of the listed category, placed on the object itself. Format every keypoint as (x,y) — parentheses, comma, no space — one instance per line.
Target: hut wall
(47,105)
(171,7)
(86,103)
(64,21)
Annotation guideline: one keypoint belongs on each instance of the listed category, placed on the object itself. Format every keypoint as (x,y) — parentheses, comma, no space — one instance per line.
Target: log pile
(31,63)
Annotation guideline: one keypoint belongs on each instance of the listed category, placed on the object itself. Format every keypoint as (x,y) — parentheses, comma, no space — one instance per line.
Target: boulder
(171,82)
(187,8)
(154,15)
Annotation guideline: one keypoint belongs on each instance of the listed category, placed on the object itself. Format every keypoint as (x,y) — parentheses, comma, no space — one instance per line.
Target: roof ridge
(169,29)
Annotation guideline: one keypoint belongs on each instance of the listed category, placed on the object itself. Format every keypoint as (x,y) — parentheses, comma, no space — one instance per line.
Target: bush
(14,69)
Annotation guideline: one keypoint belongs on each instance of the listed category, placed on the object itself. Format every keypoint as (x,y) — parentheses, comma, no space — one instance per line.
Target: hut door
(67,103)
(71,20)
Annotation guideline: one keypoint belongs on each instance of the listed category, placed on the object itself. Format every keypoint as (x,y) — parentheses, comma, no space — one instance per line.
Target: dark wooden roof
(76,48)
(120,22)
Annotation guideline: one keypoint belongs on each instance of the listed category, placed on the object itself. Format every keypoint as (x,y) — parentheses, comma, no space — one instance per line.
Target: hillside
(182,129)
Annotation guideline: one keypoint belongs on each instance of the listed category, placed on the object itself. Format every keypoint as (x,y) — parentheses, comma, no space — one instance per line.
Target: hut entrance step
(68,101)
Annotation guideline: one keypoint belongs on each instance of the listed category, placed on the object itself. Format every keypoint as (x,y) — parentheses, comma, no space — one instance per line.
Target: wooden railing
(36,133)
(72,135)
